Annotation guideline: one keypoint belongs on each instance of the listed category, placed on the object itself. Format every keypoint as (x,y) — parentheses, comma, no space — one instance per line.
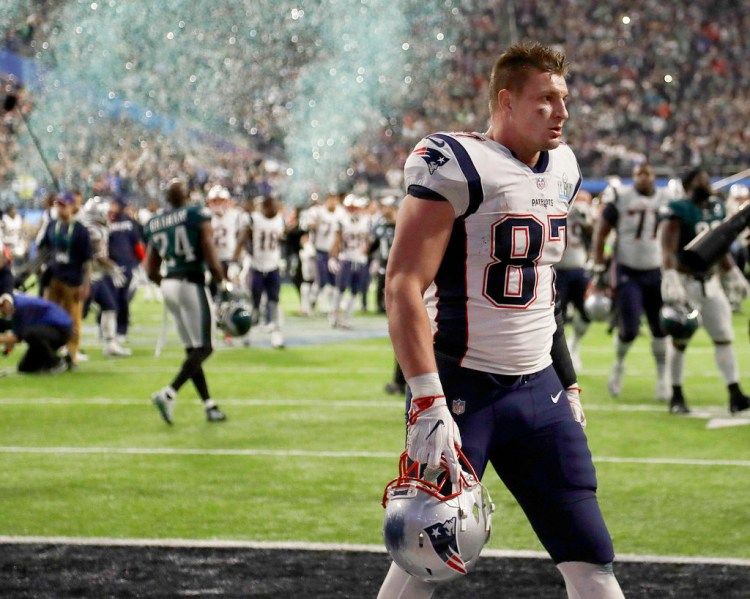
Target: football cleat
(113,348)
(214,414)
(614,383)
(164,402)
(277,339)
(663,390)
(677,404)
(738,402)
(436,530)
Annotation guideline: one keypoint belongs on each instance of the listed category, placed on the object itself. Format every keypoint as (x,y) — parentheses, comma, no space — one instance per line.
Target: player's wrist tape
(420,404)
(573,387)
(425,385)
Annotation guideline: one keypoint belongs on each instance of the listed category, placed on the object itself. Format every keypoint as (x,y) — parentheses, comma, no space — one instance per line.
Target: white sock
(621,349)
(659,348)
(400,585)
(590,581)
(727,362)
(109,325)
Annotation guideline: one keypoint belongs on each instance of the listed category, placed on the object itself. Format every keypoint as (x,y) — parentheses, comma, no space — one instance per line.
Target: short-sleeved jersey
(175,235)
(491,304)
(12,234)
(355,238)
(267,234)
(324,224)
(578,233)
(226,227)
(635,218)
(695,219)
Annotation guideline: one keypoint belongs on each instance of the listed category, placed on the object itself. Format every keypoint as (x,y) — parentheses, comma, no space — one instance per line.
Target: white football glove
(118,276)
(432,434)
(334,266)
(672,290)
(735,285)
(573,393)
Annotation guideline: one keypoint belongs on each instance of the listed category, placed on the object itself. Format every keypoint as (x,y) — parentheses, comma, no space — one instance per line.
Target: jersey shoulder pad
(432,171)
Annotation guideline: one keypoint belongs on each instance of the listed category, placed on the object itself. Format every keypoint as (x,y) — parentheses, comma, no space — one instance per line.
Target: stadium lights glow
(626,20)
(668,78)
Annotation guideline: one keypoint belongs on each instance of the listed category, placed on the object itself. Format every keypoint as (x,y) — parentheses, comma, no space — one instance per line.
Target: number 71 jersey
(491,304)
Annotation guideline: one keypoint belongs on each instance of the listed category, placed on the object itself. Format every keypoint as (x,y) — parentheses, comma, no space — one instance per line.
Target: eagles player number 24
(510,281)
(182,246)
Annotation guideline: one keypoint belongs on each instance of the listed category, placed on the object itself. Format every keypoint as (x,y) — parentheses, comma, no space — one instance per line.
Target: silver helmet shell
(435,531)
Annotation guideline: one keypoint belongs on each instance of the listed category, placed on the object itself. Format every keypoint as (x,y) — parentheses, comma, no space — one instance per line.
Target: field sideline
(311,440)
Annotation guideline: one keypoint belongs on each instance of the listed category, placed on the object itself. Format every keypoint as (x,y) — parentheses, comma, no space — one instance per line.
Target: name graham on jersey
(168,220)
(546,202)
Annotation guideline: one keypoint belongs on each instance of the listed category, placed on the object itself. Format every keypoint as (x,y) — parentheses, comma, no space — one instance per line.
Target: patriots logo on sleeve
(434,158)
(444,542)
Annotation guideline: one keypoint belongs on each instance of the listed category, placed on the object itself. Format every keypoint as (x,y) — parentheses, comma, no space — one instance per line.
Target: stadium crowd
(649,83)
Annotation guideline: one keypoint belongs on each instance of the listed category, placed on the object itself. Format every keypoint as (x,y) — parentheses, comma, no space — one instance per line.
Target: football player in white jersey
(226,223)
(14,236)
(470,304)
(572,279)
(632,211)
(323,224)
(348,259)
(266,231)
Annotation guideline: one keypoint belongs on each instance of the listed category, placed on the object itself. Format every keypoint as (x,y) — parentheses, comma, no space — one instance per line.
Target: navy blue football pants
(524,427)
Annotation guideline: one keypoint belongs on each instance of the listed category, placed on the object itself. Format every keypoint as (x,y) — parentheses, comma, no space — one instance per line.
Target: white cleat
(164,402)
(115,349)
(277,340)
(614,384)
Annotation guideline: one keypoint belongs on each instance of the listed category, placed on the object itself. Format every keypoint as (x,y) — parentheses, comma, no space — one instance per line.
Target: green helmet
(680,321)
(234,318)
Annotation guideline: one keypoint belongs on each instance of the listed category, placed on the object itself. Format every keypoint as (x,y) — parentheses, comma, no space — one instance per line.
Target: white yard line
(336,547)
(321,454)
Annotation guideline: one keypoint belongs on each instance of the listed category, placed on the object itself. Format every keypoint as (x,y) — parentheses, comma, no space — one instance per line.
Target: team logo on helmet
(444,542)
(432,157)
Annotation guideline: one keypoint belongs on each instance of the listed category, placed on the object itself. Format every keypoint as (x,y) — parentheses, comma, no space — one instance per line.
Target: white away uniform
(509,231)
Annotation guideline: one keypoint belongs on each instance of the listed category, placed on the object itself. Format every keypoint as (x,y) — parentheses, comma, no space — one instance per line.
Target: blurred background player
(226,223)
(265,232)
(323,223)
(632,212)
(181,238)
(14,234)
(685,218)
(572,279)
(348,259)
(106,276)
(127,251)
(738,195)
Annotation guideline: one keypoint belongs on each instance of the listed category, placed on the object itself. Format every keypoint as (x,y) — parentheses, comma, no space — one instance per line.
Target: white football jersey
(635,219)
(267,234)
(491,304)
(226,227)
(578,232)
(12,234)
(325,224)
(355,238)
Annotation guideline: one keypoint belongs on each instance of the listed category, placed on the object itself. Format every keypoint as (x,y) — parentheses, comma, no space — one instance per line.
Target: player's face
(643,180)
(539,110)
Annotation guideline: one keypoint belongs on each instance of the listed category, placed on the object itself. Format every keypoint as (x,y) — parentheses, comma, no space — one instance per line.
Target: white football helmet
(96,210)
(598,306)
(433,530)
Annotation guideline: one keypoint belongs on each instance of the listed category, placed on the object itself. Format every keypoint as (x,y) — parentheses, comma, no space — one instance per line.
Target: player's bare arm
(423,229)
(153,263)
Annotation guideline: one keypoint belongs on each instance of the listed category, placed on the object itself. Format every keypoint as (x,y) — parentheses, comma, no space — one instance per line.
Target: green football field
(311,440)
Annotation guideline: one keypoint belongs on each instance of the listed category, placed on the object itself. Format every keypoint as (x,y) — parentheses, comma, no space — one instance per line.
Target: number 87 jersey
(491,304)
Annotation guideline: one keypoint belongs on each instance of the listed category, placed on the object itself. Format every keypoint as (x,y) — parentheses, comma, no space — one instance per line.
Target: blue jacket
(31,311)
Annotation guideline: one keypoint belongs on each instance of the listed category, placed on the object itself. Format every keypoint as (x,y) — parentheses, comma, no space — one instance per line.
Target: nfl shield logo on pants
(458,406)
